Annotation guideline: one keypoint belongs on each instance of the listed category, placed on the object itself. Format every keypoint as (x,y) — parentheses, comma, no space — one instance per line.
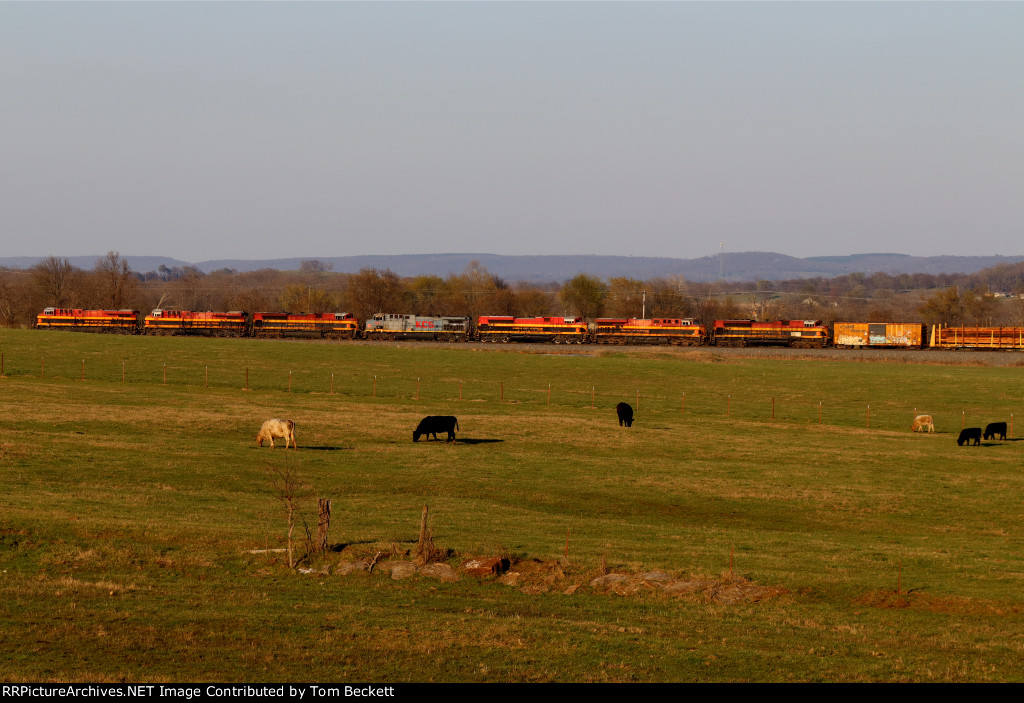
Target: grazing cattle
(277,428)
(625,413)
(923,423)
(432,424)
(995,430)
(967,435)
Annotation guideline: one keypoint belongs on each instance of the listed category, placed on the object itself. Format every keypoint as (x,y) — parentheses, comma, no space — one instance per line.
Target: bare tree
(980,306)
(297,298)
(625,297)
(56,278)
(292,493)
(117,285)
(942,308)
(315,266)
(584,296)
(371,291)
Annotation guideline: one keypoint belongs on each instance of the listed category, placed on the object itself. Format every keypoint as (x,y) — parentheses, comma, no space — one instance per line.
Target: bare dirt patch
(537,577)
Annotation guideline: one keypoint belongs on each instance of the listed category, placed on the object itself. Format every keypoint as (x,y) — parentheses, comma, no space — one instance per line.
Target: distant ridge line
(735,266)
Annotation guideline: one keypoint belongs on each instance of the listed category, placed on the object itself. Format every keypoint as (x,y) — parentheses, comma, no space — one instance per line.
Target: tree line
(988,297)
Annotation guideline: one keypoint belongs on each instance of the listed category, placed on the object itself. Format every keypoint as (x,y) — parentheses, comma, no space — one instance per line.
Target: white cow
(923,423)
(277,428)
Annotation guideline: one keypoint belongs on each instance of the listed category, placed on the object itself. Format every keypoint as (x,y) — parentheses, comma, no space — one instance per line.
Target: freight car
(858,335)
(188,322)
(560,330)
(325,325)
(118,321)
(789,333)
(683,332)
(398,327)
(951,337)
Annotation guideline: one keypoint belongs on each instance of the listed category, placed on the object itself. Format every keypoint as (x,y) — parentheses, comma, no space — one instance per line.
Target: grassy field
(133,501)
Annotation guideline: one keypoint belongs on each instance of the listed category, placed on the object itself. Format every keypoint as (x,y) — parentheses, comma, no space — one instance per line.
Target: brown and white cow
(923,423)
(277,428)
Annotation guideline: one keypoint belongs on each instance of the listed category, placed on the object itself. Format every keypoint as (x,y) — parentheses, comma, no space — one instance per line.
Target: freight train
(557,330)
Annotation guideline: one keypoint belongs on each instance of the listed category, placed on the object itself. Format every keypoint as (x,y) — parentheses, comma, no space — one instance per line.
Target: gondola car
(684,332)
(858,335)
(189,322)
(560,330)
(122,321)
(954,337)
(325,325)
(789,333)
(391,326)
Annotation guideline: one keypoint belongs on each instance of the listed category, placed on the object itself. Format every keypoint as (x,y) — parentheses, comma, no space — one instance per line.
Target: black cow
(625,413)
(969,434)
(995,430)
(432,424)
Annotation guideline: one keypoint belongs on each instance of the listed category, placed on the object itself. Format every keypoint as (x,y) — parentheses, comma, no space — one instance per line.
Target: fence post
(322,525)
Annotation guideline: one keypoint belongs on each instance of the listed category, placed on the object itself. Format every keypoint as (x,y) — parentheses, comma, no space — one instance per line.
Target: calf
(923,423)
(995,430)
(967,435)
(277,428)
(432,424)
(625,413)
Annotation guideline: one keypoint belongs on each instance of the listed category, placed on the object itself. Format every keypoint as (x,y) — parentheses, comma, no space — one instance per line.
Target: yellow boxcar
(856,335)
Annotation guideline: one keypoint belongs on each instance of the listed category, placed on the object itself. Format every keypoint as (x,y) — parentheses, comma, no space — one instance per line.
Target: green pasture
(135,502)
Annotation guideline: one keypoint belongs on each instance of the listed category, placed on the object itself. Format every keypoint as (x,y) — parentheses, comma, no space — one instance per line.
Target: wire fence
(756,405)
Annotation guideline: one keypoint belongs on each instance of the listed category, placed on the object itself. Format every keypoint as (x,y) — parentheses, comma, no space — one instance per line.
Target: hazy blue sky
(238,130)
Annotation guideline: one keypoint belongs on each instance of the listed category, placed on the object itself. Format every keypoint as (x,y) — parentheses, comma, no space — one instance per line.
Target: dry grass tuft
(954,605)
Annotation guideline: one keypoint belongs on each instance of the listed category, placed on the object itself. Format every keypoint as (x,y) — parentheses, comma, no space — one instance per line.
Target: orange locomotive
(189,322)
(560,330)
(789,333)
(683,332)
(326,325)
(119,321)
